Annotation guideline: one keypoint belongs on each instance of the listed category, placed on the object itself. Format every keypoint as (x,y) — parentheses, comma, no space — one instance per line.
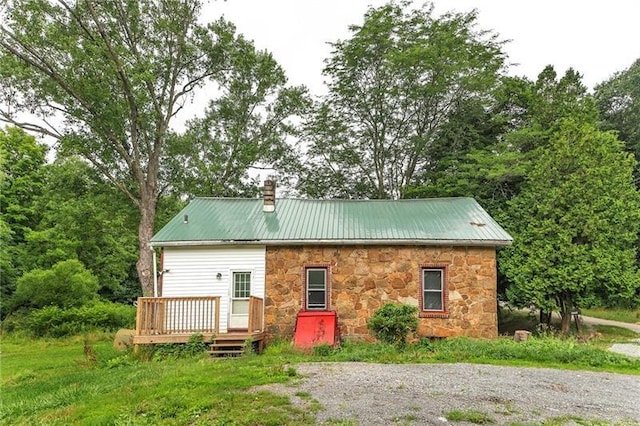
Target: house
(253,265)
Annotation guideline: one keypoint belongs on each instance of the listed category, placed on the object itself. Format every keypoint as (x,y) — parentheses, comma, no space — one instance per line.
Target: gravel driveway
(423,394)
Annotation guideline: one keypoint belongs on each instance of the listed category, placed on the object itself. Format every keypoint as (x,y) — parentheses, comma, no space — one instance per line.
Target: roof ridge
(337,199)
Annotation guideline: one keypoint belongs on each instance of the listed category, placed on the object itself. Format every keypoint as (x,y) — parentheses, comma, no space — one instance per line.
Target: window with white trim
(241,293)
(433,289)
(316,291)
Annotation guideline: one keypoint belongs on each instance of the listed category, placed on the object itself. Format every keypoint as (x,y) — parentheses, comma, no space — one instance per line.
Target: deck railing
(256,314)
(177,315)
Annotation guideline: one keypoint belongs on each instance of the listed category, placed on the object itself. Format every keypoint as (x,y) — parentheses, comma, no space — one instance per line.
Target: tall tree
(22,180)
(83,218)
(576,224)
(22,161)
(116,73)
(618,101)
(487,152)
(246,127)
(392,86)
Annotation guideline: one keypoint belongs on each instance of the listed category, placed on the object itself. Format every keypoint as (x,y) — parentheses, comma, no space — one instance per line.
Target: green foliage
(392,323)
(575,225)
(67,284)
(7,267)
(471,416)
(115,74)
(487,152)
(22,179)
(247,126)
(53,321)
(84,218)
(324,349)
(195,346)
(618,100)
(391,89)
(551,351)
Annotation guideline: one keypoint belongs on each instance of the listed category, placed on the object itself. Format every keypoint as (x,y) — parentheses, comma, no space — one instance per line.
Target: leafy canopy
(67,284)
(618,101)
(83,218)
(106,79)
(391,88)
(575,224)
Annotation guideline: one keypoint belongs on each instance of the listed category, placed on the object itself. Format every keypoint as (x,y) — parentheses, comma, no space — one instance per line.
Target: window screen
(317,288)
(241,285)
(432,289)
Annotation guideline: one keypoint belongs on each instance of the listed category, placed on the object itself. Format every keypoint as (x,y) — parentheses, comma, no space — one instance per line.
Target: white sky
(597,38)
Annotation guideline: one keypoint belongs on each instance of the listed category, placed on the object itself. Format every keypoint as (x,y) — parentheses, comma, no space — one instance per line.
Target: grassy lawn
(66,382)
(622,315)
(52,382)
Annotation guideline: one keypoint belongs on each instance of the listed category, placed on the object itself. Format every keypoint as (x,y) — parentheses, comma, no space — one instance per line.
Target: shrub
(67,284)
(324,349)
(53,321)
(393,322)
(196,346)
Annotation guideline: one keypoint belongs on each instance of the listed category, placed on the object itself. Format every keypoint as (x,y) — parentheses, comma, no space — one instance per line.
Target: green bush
(68,284)
(323,349)
(393,322)
(196,346)
(53,321)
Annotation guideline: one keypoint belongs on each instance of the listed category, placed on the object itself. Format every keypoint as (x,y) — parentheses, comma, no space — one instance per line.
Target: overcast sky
(597,38)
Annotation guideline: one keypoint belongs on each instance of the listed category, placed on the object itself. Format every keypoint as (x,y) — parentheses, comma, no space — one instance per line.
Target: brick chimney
(269,195)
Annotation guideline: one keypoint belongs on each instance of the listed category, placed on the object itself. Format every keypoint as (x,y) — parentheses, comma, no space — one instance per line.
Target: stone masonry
(363,278)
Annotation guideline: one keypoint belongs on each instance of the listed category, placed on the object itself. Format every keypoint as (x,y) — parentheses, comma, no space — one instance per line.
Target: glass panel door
(240,292)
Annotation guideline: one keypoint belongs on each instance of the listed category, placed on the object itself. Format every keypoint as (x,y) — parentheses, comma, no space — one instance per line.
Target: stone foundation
(363,278)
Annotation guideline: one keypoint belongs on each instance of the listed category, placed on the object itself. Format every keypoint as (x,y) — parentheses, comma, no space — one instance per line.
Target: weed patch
(472,416)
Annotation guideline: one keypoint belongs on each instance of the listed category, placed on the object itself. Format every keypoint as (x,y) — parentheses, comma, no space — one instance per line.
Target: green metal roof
(448,221)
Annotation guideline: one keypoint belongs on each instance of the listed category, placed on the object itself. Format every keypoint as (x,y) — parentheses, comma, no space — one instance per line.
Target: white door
(240,292)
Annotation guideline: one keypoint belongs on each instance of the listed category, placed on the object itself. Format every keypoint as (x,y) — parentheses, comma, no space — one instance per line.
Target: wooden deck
(176,319)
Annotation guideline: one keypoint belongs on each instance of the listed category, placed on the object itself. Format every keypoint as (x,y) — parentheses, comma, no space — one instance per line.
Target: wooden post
(217,320)
(576,318)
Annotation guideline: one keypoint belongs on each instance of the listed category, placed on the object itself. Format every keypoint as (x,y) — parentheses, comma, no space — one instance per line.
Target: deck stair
(234,344)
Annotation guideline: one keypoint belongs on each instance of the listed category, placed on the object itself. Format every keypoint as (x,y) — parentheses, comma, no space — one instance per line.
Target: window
(241,285)
(316,292)
(433,290)
(241,293)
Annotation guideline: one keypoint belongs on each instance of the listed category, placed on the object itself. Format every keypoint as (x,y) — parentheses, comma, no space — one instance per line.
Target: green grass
(575,420)
(58,382)
(613,333)
(51,382)
(622,315)
(472,416)
(522,320)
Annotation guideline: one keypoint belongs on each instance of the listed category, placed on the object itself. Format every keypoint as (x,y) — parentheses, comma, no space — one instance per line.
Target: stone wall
(363,278)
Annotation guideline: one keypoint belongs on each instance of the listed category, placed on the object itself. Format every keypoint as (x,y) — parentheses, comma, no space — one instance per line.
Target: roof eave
(395,242)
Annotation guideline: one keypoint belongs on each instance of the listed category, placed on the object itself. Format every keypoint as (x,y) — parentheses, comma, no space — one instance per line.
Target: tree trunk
(565,323)
(545,318)
(145,232)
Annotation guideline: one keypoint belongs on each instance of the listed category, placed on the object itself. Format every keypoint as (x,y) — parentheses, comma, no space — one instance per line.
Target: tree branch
(31,127)
(128,93)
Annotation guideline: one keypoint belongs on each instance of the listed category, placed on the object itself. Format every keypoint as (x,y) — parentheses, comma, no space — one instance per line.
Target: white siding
(193,271)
